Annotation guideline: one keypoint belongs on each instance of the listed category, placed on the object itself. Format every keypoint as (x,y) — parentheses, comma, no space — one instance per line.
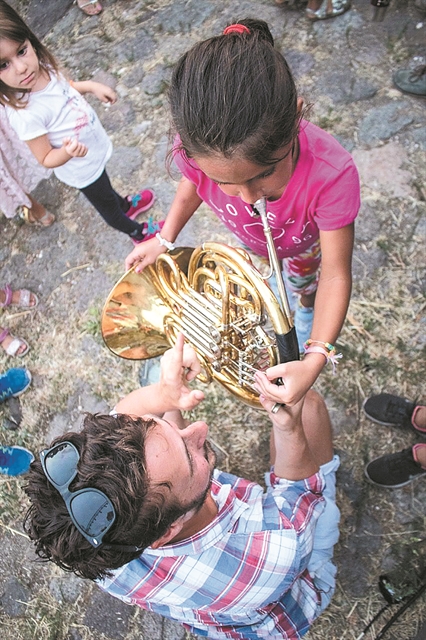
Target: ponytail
(234,94)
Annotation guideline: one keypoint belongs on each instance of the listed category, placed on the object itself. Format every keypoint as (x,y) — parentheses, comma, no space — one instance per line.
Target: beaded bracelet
(329,354)
(165,243)
(330,347)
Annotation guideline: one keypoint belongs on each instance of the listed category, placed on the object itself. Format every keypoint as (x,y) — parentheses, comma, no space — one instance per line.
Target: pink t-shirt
(323,193)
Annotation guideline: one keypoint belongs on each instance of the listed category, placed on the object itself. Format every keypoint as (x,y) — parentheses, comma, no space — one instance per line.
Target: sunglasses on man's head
(91,511)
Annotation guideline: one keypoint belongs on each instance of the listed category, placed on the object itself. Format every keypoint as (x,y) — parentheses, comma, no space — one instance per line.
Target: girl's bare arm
(331,305)
(335,283)
(101,91)
(184,205)
(50,157)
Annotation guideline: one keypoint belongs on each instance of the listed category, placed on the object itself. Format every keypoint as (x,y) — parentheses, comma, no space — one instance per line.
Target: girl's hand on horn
(297,377)
(144,254)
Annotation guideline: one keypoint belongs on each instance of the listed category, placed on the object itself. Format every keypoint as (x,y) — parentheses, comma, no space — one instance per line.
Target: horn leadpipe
(287,343)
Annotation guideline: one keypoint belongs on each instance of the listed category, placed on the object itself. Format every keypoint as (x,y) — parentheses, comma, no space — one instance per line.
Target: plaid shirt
(243,576)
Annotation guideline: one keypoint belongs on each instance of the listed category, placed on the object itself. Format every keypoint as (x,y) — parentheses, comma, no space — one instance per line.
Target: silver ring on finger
(276,407)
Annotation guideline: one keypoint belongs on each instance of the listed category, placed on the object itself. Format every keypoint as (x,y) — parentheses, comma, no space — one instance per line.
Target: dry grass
(383,343)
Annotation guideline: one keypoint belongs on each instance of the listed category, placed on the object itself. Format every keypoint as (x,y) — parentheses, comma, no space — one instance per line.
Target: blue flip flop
(14,461)
(14,382)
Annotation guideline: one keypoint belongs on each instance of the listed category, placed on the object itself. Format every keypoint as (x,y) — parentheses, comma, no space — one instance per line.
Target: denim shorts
(320,566)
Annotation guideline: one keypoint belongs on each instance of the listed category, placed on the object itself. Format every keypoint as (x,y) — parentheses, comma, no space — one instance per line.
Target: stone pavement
(343,66)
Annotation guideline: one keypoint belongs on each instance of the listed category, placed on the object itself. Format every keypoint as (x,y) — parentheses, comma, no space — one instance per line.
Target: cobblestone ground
(344,67)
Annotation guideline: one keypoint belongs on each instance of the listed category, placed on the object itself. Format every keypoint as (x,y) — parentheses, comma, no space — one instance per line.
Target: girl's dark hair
(12,27)
(234,94)
(112,459)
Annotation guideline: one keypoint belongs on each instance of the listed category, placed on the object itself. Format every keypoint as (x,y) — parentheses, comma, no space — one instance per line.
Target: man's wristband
(165,243)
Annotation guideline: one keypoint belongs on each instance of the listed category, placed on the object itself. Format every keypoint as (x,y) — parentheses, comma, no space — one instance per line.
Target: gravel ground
(344,67)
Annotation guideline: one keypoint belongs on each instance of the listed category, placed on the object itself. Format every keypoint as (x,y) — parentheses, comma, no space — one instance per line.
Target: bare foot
(419,418)
(421,454)
(90,7)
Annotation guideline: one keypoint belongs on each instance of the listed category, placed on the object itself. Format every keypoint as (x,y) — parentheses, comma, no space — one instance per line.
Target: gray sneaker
(394,470)
(389,410)
(412,81)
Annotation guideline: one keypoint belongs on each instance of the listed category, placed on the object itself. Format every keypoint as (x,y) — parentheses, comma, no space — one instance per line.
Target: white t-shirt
(59,112)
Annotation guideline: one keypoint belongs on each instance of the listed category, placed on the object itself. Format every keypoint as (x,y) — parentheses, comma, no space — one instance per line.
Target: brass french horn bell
(216,297)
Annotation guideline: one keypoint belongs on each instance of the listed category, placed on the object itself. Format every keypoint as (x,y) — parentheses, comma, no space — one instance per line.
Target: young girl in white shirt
(61,128)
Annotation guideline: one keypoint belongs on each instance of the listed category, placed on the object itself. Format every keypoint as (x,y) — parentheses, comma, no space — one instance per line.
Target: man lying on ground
(134,502)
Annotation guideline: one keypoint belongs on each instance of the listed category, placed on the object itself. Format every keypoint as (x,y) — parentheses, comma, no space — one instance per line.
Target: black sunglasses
(394,593)
(91,511)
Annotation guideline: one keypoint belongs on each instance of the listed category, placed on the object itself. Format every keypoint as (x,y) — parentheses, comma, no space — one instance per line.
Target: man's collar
(230,509)
(199,521)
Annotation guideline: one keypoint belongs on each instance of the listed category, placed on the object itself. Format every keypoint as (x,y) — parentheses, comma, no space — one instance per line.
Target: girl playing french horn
(241,136)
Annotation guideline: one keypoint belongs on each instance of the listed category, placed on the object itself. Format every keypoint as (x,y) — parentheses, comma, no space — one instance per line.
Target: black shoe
(389,410)
(394,470)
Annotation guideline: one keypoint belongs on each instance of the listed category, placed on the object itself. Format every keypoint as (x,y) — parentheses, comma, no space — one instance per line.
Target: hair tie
(236,28)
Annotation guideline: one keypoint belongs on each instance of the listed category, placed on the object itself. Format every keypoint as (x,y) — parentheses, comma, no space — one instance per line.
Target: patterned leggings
(301,272)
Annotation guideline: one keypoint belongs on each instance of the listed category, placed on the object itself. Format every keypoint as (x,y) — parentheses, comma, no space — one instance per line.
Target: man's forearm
(151,399)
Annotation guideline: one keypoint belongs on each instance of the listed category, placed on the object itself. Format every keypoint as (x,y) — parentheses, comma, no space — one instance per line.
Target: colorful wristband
(329,355)
(330,347)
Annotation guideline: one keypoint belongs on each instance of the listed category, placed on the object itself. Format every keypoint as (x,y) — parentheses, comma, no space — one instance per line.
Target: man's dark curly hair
(112,459)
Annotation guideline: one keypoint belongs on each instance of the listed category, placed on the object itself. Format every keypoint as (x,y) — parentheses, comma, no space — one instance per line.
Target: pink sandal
(90,8)
(14,346)
(24,298)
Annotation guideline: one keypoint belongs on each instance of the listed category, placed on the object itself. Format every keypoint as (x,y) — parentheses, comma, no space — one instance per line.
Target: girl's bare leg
(317,428)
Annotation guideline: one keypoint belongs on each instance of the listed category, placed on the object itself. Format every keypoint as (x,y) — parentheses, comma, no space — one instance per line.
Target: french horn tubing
(287,343)
(218,299)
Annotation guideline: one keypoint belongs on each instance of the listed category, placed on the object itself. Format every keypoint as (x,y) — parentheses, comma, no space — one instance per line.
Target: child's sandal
(328,9)
(15,344)
(26,214)
(24,298)
(90,8)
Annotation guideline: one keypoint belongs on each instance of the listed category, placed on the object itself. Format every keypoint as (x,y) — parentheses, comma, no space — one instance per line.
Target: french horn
(218,299)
